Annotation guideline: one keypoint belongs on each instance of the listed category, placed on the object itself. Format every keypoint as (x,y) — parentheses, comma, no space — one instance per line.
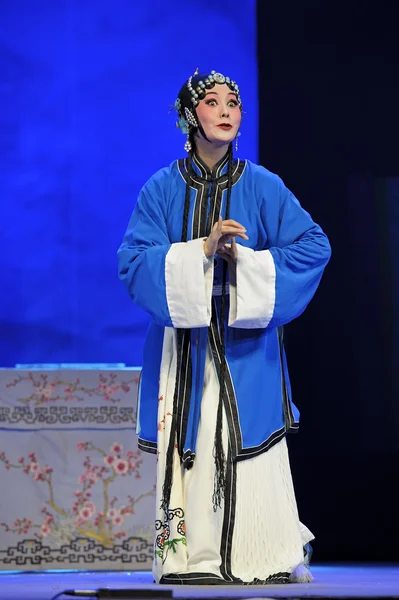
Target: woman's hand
(221,233)
(229,253)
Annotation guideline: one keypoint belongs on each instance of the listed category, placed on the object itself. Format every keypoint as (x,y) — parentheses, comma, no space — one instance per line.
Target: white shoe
(301,574)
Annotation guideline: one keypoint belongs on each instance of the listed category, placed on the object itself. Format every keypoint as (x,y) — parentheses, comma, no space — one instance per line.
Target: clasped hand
(217,242)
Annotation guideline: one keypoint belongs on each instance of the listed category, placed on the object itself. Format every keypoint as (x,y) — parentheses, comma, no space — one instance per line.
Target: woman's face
(220,115)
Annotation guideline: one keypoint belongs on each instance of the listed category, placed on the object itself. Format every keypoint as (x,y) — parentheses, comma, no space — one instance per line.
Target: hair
(218,451)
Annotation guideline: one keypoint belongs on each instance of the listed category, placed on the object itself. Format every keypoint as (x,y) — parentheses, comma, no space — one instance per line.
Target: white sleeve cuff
(189,282)
(253,289)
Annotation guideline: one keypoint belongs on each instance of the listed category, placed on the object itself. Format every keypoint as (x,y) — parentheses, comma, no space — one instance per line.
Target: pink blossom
(130,454)
(91,476)
(112,513)
(121,466)
(38,476)
(82,478)
(21,460)
(78,493)
(46,391)
(85,513)
(109,460)
(48,469)
(80,446)
(32,455)
(91,507)
(45,530)
(120,534)
(117,448)
(34,467)
(118,520)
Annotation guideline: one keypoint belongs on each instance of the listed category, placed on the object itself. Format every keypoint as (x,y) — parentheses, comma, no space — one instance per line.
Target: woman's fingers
(217,227)
(223,232)
(231,222)
(230,232)
(233,247)
(226,254)
(223,250)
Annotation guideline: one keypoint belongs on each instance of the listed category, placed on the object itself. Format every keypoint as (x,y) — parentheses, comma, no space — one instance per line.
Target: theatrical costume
(226,509)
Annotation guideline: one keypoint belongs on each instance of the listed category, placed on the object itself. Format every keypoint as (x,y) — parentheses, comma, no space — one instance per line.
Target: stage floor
(331,581)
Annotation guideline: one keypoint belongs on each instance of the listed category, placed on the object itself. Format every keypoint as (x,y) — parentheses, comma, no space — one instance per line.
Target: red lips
(225,126)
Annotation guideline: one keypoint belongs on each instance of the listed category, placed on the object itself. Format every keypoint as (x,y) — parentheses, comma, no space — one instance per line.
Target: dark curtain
(328,102)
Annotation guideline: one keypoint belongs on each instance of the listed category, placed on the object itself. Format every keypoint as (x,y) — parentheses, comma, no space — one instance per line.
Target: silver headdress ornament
(198,93)
(190,117)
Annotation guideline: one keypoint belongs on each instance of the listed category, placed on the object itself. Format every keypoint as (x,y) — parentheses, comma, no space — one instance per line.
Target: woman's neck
(209,153)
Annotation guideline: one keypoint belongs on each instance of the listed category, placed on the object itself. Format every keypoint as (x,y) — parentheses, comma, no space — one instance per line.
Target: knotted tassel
(219,487)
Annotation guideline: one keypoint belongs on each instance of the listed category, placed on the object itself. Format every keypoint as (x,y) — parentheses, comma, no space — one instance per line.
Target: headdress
(189,97)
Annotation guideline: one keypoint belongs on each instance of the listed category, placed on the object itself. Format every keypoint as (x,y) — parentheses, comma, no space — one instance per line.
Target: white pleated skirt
(256,535)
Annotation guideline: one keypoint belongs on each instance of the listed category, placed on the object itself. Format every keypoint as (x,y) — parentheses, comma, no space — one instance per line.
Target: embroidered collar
(201,174)
(204,172)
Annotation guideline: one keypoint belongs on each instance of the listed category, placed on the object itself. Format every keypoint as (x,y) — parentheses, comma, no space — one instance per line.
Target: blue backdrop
(86,88)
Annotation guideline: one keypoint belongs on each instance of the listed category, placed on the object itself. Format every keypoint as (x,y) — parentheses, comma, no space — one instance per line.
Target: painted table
(76,493)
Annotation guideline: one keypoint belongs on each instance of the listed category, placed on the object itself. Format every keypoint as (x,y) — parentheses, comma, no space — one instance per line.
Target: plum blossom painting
(78,491)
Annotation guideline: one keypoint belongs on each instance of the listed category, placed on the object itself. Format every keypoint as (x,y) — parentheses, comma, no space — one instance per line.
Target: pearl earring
(187,145)
(237,136)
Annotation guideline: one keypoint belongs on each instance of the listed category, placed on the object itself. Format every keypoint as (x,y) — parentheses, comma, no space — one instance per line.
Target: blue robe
(278,271)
